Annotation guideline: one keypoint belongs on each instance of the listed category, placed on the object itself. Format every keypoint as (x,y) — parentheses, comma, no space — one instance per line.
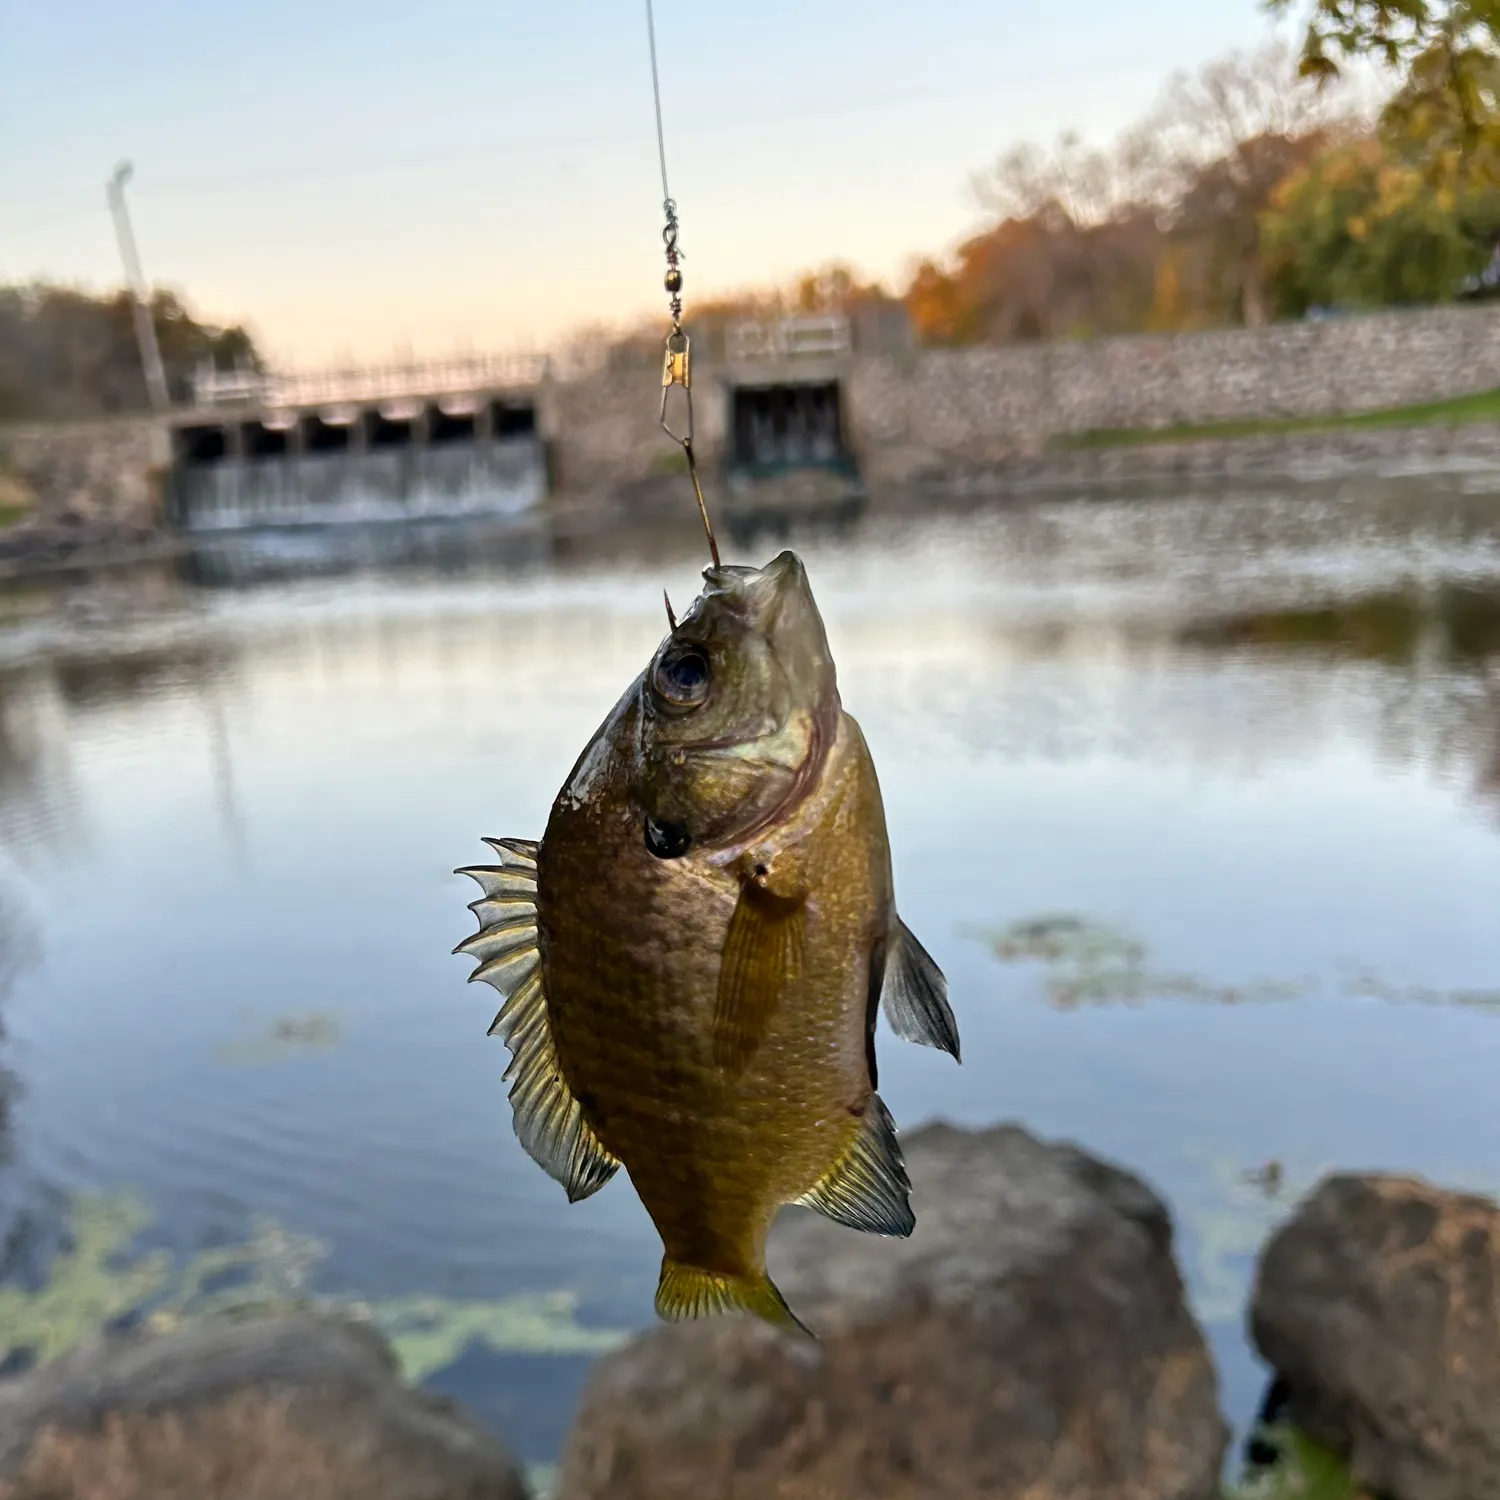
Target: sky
(357,181)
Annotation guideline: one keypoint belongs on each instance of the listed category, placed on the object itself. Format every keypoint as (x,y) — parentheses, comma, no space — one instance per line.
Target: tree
(1227,137)
(1359,227)
(67,353)
(1159,230)
(1444,50)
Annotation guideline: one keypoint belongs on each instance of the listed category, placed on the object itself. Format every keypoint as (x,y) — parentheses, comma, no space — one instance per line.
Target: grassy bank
(1482,406)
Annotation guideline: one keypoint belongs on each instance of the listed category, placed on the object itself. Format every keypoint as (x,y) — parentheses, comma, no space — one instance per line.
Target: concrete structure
(850,405)
(276,448)
(457,436)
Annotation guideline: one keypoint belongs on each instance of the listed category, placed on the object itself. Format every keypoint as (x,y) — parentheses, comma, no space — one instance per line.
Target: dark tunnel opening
(198,446)
(445,428)
(511,420)
(319,436)
(266,442)
(389,432)
(787,426)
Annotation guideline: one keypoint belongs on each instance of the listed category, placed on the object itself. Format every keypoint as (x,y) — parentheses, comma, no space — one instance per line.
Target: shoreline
(1297,459)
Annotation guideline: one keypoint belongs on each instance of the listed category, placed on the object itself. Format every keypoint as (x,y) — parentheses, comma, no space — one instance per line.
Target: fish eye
(682,676)
(667,840)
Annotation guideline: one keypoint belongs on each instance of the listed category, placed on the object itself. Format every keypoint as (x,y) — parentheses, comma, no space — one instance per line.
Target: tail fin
(686,1292)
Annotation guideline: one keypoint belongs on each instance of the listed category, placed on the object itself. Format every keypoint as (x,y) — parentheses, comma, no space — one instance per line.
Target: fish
(694,954)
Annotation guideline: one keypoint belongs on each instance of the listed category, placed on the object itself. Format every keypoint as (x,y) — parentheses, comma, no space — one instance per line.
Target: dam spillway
(401,458)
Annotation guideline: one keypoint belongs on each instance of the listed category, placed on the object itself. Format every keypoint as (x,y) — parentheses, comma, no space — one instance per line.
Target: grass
(1482,406)
(1304,1472)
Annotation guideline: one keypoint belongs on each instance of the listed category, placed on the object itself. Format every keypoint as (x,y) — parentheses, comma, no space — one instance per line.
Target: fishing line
(676,368)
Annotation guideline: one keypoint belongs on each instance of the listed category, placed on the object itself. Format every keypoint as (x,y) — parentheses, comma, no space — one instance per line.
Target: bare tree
(1226,137)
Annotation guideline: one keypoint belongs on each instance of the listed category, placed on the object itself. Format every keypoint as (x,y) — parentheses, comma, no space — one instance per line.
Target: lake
(1195,797)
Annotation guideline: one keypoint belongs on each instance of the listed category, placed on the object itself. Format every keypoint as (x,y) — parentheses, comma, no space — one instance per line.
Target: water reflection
(1242,742)
(244,559)
(1450,625)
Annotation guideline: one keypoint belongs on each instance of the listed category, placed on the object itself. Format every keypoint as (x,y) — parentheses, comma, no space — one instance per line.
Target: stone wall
(979,407)
(99,476)
(605,428)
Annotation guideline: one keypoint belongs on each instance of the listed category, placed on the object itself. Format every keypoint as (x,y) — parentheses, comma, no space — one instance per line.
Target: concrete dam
(376,445)
(485,436)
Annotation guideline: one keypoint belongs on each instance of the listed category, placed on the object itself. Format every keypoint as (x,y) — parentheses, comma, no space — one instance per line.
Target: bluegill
(694,955)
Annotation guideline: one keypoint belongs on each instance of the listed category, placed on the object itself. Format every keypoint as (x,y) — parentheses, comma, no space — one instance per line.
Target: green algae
(87,1288)
(285,1036)
(429,1333)
(1303,1471)
(96,1283)
(1091,963)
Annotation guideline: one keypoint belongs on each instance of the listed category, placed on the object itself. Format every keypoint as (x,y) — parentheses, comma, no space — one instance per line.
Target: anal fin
(548,1118)
(915,994)
(685,1292)
(867,1188)
(762,955)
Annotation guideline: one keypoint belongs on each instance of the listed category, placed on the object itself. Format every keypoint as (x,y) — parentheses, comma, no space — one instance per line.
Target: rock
(1376,1305)
(267,1409)
(1030,1339)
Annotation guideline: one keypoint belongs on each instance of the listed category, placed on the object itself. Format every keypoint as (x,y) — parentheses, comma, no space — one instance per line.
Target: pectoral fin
(762,955)
(549,1121)
(915,994)
(867,1188)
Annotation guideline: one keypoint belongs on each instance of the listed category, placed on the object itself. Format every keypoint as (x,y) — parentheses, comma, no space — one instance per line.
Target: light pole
(145,330)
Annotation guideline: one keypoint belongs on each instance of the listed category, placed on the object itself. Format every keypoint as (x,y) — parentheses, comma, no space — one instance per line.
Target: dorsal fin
(915,994)
(549,1121)
(867,1188)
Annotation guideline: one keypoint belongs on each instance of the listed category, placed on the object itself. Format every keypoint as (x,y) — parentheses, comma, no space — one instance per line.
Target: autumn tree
(1359,227)
(1159,230)
(1068,252)
(1226,137)
(1445,53)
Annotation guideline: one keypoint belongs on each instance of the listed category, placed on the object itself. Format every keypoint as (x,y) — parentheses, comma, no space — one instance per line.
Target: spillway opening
(266,442)
(789,426)
(199,446)
(449,427)
(510,419)
(319,436)
(389,432)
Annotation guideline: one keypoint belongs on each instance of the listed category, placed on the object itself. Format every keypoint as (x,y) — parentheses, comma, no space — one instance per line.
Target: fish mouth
(783,571)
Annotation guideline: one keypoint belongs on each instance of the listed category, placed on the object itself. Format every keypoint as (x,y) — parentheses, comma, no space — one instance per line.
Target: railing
(821,337)
(811,337)
(459,374)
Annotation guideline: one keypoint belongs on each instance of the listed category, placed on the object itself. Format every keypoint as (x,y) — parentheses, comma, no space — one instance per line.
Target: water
(1249,744)
(383,484)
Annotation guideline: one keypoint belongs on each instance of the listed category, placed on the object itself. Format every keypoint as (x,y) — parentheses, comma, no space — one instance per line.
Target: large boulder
(1030,1339)
(1377,1306)
(267,1409)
